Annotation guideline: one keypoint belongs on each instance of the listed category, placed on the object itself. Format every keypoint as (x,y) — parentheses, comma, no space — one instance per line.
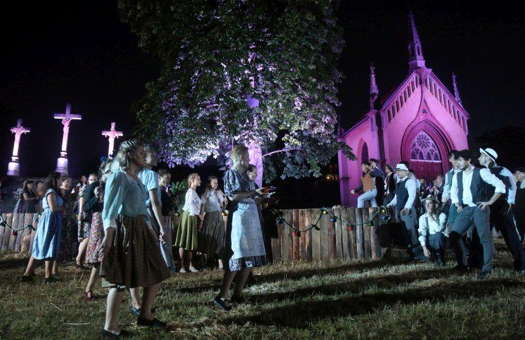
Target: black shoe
(461,268)
(108,335)
(219,302)
(155,323)
(27,278)
(237,299)
(51,279)
(483,275)
(134,311)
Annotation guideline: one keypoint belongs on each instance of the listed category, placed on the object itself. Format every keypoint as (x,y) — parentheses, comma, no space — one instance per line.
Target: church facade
(419,122)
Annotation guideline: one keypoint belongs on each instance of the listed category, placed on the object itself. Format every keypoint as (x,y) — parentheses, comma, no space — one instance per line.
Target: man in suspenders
(471,194)
(445,198)
(403,202)
(502,215)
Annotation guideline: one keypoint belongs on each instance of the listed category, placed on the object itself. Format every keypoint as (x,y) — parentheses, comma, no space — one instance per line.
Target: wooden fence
(21,241)
(341,233)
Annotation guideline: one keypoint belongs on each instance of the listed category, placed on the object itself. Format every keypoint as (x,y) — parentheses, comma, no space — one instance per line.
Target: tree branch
(281,150)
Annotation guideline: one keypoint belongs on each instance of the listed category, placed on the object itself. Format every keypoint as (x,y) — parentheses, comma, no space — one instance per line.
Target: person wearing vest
(519,206)
(502,211)
(445,198)
(403,203)
(471,194)
(368,186)
(432,231)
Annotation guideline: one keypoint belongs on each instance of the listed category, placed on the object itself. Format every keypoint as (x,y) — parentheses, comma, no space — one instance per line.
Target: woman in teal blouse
(131,247)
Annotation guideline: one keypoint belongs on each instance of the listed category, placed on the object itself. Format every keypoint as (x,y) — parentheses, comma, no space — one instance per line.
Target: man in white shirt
(452,212)
(502,211)
(470,193)
(403,203)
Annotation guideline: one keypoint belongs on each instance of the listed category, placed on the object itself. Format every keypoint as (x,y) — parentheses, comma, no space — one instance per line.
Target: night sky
(79,52)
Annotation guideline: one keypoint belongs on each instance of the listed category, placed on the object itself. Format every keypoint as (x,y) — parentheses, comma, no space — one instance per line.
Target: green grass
(385,299)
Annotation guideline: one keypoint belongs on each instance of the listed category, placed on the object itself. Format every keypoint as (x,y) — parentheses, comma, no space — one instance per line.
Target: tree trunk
(256,158)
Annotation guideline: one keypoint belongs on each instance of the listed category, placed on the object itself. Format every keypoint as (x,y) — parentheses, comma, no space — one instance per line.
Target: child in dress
(244,238)
(186,238)
(131,255)
(47,240)
(213,227)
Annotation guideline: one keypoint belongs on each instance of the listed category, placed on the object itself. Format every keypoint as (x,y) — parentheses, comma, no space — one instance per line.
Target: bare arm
(243,195)
(52,202)
(80,209)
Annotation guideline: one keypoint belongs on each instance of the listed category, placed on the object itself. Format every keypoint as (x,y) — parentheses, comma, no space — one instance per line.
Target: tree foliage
(237,71)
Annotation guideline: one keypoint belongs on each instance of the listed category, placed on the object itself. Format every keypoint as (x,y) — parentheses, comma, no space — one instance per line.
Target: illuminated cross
(112,135)
(66,119)
(13,168)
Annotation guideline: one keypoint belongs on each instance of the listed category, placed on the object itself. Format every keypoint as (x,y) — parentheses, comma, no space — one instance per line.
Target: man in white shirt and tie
(403,202)
(502,212)
(471,194)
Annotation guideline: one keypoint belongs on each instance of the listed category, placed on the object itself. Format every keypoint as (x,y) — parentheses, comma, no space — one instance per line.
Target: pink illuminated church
(419,122)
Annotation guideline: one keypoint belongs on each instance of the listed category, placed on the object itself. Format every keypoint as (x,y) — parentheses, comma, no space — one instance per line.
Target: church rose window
(423,148)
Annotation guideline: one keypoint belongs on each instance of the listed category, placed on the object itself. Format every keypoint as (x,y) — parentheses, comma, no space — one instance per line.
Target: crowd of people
(119,223)
(460,210)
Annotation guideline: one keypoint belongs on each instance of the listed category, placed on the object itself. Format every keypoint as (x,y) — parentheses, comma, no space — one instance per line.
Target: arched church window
(397,106)
(364,153)
(412,85)
(409,90)
(423,148)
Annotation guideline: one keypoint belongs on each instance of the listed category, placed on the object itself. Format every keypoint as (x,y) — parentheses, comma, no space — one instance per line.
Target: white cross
(66,118)
(112,134)
(18,130)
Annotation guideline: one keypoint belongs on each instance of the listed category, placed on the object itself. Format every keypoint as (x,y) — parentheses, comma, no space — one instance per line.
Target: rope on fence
(382,213)
(3,223)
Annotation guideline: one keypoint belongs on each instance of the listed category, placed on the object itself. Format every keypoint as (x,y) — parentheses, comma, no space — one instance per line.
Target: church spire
(415,50)
(374,91)
(456,91)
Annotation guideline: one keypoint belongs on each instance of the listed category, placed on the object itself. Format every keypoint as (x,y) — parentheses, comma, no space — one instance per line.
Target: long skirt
(211,240)
(94,253)
(187,232)
(68,240)
(244,238)
(132,255)
(48,234)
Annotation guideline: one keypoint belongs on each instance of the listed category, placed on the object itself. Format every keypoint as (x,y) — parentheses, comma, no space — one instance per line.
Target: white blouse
(429,226)
(213,200)
(192,203)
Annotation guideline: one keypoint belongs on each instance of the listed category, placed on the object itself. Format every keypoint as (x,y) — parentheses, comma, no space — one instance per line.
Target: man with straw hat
(502,212)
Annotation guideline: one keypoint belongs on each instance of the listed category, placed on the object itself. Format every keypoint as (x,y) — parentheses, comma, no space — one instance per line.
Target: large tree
(260,73)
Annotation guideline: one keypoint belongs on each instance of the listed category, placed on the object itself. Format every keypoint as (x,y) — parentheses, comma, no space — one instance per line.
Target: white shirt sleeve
(423,230)
(442,222)
(411,187)
(454,188)
(491,179)
(511,197)
(446,188)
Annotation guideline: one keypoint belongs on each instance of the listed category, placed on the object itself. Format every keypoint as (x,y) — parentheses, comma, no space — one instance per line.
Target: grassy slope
(384,299)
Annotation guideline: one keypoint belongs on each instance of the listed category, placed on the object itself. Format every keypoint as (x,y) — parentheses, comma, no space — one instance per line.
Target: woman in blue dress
(244,238)
(131,253)
(48,233)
